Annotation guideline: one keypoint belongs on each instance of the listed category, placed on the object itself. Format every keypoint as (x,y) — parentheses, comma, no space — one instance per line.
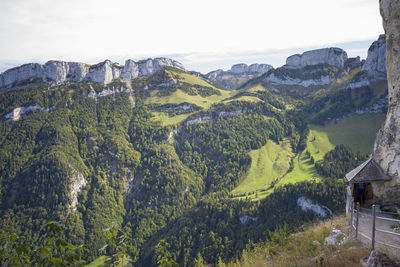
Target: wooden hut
(367,175)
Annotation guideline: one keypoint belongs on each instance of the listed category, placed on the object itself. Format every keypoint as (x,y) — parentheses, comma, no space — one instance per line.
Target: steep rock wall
(387,144)
(58,72)
(331,56)
(375,64)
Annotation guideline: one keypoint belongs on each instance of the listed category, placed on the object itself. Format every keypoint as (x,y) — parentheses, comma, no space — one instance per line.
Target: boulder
(335,238)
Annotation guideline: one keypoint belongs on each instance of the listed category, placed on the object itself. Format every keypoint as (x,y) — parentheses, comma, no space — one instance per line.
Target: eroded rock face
(150,66)
(387,143)
(260,68)
(299,81)
(26,72)
(59,72)
(253,68)
(332,56)
(104,72)
(239,68)
(238,74)
(77,183)
(375,64)
(130,70)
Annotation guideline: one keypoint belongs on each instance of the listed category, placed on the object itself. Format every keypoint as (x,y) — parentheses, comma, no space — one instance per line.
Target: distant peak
(332,56)
(57,72)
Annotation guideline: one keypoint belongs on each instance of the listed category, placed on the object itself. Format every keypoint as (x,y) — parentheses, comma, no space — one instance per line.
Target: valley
(175,155)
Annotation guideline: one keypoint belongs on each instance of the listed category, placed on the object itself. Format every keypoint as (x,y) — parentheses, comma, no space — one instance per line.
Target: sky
(203,35)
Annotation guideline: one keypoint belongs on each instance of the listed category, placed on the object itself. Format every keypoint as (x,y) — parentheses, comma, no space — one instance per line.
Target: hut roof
(368,171)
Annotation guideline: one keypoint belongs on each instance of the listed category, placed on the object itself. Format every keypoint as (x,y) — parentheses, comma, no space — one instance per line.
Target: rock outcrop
(375,64)
(304,78)
(312,68)
(374,67)
(238,74)
(59,72)
(253,68)
(16,113)
(306,204)
(335,238)
(332,56)
(387,144)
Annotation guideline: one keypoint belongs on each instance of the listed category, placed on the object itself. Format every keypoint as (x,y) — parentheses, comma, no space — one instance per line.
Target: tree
(199,262)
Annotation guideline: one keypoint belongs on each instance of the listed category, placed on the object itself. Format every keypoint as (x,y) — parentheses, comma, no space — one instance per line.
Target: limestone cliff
(318,67)
(58,72)
(238,74)
(331,56)
(374,67)
(375,64)
(387,144)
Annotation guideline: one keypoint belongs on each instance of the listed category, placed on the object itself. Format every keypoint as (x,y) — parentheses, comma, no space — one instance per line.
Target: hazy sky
(203,35)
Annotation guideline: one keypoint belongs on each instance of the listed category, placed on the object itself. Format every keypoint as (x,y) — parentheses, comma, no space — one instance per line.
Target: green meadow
(272,160)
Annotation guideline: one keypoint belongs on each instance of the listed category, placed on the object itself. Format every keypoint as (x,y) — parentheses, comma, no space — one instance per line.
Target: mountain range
(203,161)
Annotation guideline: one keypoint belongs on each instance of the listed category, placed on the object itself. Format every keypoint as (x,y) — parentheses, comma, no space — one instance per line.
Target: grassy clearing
(191,79)
(357,131)
(179,97)
(318,145)
(300,249)
(252,99)
(256,88)
(167,120)
(267,164)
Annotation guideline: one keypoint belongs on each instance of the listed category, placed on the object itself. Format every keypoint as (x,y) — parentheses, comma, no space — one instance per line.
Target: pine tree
(199,262)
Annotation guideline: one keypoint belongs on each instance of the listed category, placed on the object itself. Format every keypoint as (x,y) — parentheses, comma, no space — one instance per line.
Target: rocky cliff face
(374,67)
(313,68)
(387,144)
(375,64)
(238,74)
(58,72)
(331,56)
(253,68)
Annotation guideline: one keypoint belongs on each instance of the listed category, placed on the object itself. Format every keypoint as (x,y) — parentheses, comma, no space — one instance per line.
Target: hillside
(172,155)
(306,248)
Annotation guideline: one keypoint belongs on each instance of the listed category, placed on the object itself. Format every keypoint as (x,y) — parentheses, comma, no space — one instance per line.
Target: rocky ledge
(58,72)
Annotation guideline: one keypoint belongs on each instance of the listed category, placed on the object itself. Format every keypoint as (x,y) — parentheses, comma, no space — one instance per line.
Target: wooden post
(352,214)
(357,213)
(373,227)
